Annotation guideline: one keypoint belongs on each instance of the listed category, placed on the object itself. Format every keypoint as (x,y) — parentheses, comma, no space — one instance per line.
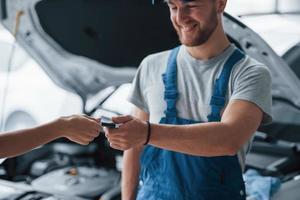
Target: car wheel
(19,120)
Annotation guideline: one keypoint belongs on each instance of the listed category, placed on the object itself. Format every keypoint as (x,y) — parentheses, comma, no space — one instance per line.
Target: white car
(277,22)
(27,95)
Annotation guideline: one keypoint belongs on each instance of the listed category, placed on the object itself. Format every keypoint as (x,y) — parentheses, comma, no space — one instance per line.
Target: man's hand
(132,132)
(81,129)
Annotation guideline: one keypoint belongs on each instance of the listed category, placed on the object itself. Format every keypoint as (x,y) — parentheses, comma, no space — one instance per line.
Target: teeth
(187,28)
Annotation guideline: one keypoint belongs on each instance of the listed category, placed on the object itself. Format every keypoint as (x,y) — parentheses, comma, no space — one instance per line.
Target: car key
(108,124)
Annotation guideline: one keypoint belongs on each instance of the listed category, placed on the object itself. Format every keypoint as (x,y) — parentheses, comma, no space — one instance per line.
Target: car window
(19,56)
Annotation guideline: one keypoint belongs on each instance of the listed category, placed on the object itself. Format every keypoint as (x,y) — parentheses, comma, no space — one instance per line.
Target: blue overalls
(169,175)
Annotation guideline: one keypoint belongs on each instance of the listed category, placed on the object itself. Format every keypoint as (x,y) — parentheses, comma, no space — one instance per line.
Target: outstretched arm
(78,128)
(239,121)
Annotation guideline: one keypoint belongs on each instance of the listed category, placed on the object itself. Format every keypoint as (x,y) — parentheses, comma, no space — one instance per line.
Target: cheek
(199,17)
(173,20)
(203,14)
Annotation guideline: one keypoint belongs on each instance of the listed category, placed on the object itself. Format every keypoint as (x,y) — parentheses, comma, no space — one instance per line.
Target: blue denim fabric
(169,175)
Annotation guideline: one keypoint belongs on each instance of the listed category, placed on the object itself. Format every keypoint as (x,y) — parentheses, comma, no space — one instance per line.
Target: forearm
(130,173)
(207,139)
(239,121)
(17,142)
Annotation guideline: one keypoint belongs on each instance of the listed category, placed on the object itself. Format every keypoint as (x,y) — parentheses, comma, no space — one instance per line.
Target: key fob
(108,124)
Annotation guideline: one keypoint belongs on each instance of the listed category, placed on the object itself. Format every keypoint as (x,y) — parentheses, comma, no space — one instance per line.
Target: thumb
(92,118)
(121,119)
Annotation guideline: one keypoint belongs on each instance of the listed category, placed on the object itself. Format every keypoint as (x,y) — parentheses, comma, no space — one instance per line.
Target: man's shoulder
(250,67)
(250,63)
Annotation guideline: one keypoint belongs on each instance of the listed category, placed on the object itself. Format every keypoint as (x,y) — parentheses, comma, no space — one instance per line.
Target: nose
(182,15)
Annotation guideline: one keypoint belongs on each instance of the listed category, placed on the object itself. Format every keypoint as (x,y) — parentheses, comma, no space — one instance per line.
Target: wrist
(58,126)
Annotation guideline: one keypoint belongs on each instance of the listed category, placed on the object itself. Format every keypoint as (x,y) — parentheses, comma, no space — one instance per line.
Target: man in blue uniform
(196,109)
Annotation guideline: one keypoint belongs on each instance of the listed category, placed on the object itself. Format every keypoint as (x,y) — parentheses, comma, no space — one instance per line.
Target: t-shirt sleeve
(136,95)
(254,84)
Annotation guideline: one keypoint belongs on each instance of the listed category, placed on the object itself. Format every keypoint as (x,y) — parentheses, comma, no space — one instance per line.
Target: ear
(221,4)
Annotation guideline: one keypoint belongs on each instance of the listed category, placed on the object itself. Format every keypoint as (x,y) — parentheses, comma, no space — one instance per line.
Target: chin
(192,43)
(188,44)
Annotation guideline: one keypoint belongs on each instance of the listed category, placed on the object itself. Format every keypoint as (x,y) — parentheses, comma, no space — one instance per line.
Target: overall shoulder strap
(217,101)
(170,83)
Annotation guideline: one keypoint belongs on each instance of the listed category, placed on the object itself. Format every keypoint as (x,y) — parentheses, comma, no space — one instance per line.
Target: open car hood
(85,46)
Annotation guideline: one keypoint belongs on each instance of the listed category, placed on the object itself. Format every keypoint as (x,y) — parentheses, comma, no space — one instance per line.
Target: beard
(201,33)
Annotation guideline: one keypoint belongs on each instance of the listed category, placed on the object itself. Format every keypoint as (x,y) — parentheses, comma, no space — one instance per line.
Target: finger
(97,128)
(93,127)
(86,116)
(91,130)
(93,134)
(92,119)
(121,119)
(96,134)
(115,134)
(111,131)
(79,141)
(115,141)
(83,142)
(87,138)
(97,120)
(82,139)
(115,137)
(94,122)
(115,146)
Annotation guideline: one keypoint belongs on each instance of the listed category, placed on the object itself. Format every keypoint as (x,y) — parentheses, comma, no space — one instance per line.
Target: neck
(214,46)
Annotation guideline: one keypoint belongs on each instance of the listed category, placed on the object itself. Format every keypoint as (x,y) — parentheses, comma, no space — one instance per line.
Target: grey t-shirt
(249,80)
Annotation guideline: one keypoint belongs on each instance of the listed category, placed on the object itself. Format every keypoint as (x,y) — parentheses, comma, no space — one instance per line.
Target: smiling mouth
(188,28)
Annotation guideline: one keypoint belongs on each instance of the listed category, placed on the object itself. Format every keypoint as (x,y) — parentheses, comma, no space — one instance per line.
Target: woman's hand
(81,129)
